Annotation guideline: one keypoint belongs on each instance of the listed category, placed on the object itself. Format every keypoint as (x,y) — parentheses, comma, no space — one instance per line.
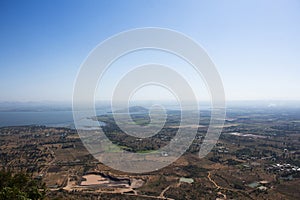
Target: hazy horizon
(11,105)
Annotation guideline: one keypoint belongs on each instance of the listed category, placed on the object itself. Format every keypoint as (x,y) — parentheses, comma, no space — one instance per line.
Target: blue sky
(254,44)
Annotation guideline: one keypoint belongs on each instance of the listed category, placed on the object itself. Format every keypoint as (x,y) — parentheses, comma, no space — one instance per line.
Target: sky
(254,44)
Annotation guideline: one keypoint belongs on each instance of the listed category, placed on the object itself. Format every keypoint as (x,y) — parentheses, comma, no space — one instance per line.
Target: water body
(16,114)
(46,118)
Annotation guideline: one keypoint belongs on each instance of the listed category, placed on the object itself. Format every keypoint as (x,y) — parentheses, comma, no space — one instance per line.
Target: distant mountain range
(133,109)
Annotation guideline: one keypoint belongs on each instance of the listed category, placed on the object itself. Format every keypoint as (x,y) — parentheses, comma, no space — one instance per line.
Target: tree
(20,186)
